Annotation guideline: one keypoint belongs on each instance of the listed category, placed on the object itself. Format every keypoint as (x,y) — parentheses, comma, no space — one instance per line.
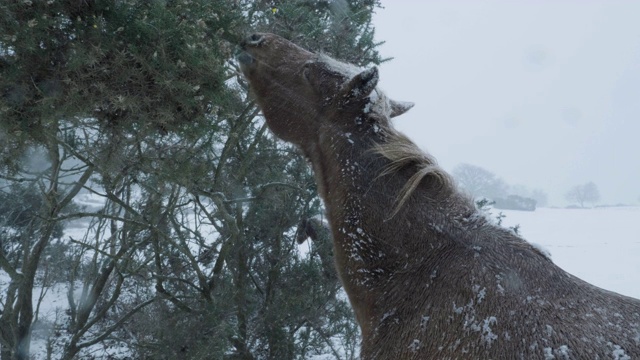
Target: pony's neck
(363,192)
(343,166)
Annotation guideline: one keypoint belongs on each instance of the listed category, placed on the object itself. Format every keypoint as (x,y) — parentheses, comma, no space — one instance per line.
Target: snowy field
(600,245)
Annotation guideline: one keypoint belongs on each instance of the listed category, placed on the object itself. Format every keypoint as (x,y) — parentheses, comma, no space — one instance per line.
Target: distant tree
(583,193)
(479,182)
(519,190)
(540,197)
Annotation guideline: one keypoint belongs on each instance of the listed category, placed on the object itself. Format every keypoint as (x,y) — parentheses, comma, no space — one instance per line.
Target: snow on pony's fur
(427,275)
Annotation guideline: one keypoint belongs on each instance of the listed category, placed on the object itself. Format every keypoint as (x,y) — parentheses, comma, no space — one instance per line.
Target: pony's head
(300,92)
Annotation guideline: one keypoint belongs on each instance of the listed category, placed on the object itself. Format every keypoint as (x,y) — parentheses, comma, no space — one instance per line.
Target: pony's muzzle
(244,58)
(244,54)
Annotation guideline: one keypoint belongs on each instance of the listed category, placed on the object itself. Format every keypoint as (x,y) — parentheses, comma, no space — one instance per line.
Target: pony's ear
(360,86)
(399,107)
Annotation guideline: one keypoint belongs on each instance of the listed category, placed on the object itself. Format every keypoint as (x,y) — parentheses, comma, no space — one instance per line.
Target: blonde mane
(404,154)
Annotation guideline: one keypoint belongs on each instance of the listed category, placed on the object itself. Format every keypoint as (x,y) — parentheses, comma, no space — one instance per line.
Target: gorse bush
(188,248)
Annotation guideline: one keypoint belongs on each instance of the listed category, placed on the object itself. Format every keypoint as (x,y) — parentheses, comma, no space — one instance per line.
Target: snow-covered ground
(599,245)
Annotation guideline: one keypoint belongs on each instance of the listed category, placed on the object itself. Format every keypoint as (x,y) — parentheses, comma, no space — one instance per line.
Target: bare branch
(116,325)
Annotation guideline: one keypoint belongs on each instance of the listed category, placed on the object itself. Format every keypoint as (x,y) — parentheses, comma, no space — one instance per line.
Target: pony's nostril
(255,39)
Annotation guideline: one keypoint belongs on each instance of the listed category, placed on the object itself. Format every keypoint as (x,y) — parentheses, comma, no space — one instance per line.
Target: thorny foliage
(125,124)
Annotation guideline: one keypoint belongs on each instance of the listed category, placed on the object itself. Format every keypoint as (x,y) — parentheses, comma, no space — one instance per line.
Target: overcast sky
(544,94)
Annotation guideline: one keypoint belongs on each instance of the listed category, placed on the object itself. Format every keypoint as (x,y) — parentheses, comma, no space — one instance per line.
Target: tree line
(482,183)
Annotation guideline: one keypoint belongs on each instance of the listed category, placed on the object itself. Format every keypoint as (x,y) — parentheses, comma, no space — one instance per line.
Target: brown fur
(428,276)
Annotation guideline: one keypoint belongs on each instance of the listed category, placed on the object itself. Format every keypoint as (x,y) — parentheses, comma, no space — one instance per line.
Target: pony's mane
(404,154)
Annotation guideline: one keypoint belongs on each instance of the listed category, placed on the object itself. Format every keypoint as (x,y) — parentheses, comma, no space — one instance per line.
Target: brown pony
(427,275)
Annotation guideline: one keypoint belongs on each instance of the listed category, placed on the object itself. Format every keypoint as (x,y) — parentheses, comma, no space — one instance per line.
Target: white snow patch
(563,352)
(458,310)
(488,337)
(541,249)
(481,294)
(424,321)
(549,330)
(548,353)
(388,314)
(415,345)
(619,354)
(348,136)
